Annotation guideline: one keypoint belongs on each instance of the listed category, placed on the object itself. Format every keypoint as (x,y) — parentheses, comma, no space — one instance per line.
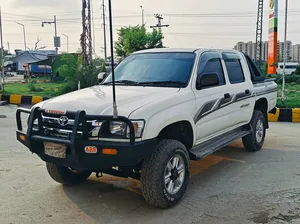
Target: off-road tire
(153,174)
(65,175)
(250,141)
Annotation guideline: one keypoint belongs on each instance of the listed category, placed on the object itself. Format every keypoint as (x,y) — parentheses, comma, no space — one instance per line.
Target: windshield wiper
(127,82)
(164,83)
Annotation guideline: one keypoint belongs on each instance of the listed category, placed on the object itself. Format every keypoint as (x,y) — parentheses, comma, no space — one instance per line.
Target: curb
(285,115)
(21,99)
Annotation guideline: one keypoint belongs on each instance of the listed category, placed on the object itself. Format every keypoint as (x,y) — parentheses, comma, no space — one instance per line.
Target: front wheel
(165,174)
(255,140)
(66,175)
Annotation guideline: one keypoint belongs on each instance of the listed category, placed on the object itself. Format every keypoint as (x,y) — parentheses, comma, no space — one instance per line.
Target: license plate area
(55,150)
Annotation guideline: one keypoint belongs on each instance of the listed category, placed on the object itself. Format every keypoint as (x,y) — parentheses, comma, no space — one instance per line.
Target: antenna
(115,110)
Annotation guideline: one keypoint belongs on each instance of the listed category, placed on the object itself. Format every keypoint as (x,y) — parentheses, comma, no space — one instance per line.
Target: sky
(193,23)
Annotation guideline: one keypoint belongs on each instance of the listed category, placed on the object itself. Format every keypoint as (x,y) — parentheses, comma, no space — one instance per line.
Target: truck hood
(97,100)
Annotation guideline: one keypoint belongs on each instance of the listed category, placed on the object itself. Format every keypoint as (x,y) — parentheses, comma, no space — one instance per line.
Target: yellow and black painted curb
(21,99)
(285,115)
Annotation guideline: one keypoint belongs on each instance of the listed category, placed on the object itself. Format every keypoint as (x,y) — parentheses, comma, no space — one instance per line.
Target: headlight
(138,129)
(120,128)
(96,128)
(117,128)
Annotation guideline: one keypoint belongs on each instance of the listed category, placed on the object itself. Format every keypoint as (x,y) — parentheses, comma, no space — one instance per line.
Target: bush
(72,72)
(288,78)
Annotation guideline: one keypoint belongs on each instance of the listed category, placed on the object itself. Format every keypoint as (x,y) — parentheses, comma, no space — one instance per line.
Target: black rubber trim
(285,115)
(26,100)
(5,98)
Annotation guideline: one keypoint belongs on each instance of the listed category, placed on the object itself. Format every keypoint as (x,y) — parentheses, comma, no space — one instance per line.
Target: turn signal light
(22,137)
(109,151)
(90,149)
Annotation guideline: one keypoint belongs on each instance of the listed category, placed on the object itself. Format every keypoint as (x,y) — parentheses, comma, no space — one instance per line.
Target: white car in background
(290,68)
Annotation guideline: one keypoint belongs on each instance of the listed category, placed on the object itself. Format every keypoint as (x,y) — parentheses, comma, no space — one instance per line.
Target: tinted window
(155,67)
(234,68)
(210,63)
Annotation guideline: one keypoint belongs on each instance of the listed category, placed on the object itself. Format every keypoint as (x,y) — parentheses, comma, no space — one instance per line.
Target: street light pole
(67,42)
(285,53)
(24,34)
(142,15)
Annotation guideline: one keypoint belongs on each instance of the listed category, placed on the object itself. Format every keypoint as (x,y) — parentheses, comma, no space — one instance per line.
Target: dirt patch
(262,217)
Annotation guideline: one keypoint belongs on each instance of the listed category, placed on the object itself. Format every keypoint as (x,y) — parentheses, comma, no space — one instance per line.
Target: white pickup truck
(174,105)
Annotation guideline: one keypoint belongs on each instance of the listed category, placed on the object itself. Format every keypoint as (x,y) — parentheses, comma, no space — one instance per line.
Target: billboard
(273,37)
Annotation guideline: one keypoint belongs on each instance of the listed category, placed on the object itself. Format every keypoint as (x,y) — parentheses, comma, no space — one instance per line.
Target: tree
(72,72)
(135,38)
(297,72)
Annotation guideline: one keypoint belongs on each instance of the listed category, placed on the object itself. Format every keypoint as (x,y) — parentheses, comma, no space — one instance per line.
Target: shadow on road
(106,196)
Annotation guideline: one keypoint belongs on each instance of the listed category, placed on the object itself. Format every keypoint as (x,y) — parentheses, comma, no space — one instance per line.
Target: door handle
(247,91)
(226,96)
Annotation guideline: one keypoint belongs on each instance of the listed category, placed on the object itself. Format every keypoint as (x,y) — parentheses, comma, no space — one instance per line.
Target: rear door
(240,88)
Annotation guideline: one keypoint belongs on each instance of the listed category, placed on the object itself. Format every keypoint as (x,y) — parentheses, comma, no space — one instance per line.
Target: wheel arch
(181,131)
(262,105)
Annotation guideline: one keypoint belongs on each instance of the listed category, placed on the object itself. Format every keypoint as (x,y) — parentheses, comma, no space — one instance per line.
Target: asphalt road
(231,186)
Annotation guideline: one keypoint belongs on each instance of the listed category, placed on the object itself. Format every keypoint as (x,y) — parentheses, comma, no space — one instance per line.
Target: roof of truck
(185,50)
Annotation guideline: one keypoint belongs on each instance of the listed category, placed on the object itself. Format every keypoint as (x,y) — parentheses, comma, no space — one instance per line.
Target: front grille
(53,128)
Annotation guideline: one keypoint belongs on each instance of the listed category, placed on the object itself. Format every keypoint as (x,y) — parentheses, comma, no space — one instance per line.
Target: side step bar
(204,149)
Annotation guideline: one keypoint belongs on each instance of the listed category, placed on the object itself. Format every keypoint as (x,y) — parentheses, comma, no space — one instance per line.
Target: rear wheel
(66,175)
(255,140)
(165,174)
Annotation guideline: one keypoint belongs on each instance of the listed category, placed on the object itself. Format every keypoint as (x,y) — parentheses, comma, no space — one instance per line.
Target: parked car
(290,68)
(101,76)
(174,105)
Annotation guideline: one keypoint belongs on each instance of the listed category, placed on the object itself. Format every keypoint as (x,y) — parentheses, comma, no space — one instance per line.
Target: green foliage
(135,38)
(73,72)
(297,72)
(288,79)
(5,52)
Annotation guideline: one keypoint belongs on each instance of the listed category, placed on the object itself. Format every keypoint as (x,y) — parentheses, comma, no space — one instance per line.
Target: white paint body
(161,106)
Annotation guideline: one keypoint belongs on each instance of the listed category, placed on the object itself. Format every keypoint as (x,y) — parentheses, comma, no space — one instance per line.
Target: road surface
(231,186)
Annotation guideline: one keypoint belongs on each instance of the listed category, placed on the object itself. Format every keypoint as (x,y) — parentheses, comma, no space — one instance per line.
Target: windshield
(155,69)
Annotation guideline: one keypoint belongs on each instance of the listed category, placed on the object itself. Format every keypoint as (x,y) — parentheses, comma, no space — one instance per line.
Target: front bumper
(128,153)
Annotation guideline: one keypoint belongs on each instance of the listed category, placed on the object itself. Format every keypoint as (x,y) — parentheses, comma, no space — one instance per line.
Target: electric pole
(86,36)
(8,47)
(285,53)
(104,30)
(259,32)
(56,38)
(159,25)
(1,55)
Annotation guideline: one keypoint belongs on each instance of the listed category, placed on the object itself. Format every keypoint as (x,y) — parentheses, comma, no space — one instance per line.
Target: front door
(211,118)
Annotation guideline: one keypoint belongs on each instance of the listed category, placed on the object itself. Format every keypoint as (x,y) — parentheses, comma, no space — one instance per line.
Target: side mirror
(207,80)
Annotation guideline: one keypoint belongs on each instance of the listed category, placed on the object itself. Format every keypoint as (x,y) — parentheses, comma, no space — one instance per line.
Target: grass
(49,89)
(292,96)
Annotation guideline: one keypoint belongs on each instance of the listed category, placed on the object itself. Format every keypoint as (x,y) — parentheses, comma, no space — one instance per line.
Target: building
(296,53)
(280,50)
(293,51)
(249,48)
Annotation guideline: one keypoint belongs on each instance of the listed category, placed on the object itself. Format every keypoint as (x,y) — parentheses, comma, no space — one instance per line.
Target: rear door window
(234,68)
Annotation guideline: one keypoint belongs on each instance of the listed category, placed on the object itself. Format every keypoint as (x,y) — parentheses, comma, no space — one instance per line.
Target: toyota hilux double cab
(173,106)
